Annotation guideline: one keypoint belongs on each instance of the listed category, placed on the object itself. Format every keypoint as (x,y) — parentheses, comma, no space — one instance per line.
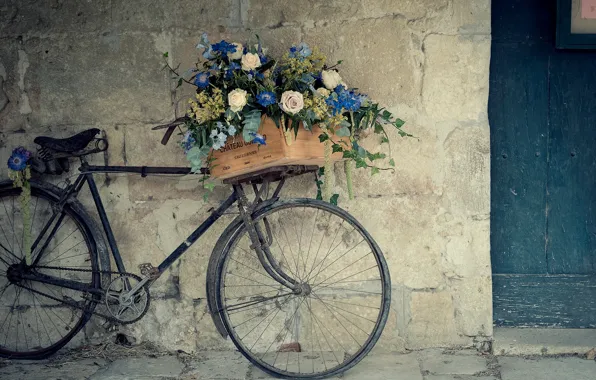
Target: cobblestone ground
(138,363)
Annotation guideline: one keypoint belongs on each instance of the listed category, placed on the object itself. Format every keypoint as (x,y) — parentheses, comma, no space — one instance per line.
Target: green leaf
(337,148)
(386,115)
(374,170)
(392,162)
(323,137)
(399,123)
(360,163)
(375,156)
(343,132)
(179,82)
(165,55)
(209,186)
(251,122)
(384,140)
(333,199)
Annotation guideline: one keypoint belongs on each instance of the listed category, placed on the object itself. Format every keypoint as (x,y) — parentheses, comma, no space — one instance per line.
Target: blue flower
(230,70)
(266,98)
(260,76)
(259,139)
(300,51)
(342,99)
(223,47)
(202,79)
(188,141)
(18,159)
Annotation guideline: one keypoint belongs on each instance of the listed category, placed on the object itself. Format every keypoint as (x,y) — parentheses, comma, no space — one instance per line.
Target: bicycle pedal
(147,269)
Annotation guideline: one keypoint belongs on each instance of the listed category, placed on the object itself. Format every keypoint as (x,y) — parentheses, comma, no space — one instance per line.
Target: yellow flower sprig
(207,107)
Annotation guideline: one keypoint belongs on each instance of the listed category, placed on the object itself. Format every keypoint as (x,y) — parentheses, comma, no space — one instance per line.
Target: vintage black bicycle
(298,285)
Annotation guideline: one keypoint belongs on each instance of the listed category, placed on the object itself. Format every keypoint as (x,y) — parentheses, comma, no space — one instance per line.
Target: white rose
(250,61)
(322,91)
(331,79)
(237,99)
(292,102)
(238,53)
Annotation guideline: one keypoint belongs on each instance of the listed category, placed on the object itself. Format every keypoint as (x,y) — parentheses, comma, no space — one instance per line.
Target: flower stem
(348,171)
(327,183)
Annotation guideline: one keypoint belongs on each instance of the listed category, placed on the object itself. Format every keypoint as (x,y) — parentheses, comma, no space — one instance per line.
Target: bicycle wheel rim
(48,318)
(374,333)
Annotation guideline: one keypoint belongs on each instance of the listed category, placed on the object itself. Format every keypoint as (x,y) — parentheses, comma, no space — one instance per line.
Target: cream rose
(292,102)
(331,79)
(237,99)
(250,61)
(322,91)
(238,53)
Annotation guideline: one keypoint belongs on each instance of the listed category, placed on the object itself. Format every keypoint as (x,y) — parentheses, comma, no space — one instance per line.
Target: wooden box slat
(238,157)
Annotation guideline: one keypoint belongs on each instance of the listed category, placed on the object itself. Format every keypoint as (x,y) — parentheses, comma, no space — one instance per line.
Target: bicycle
(298,285)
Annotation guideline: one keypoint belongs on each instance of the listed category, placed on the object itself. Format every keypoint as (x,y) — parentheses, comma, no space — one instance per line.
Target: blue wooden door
(542,112)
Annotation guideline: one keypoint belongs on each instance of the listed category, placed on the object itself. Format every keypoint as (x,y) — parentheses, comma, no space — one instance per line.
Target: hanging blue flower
(266,98)
(343,99)
(223,47)
(202,79)
(18,159)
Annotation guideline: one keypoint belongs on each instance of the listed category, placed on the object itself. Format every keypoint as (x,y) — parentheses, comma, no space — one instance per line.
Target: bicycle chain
(97,302)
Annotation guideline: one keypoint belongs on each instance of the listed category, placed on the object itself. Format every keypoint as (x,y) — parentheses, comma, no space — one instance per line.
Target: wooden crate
(238,157)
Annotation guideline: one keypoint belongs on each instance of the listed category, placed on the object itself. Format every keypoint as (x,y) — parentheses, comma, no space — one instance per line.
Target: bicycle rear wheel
(33,322)
(335,316)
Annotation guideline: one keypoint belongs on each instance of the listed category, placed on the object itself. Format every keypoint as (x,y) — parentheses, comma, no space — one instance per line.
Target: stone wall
(68,65)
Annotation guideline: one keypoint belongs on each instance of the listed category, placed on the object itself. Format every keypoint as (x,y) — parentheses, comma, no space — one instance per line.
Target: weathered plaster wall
(69,65)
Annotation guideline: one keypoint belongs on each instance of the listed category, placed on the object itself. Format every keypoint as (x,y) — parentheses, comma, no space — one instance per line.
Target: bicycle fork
(261,243)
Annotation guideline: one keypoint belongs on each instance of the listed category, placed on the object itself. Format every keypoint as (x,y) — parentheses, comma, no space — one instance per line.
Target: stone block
(456,77)
(396,77)
(155,16)
(418,165)
(432,321)
(270,13)
(13,116)
(178,325)
(436,363)
(409,9)
(466,252)
(110,78)
(130,368)
(467,171)
(413,258)
(219,365)
(555,368)
(386,366)
(38,18)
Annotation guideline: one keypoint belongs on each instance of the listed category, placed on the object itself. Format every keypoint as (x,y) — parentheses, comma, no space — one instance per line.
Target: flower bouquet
(242,91)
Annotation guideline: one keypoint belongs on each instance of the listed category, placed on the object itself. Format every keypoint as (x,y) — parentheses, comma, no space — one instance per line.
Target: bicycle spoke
(249,279)
(342,325)
(323,282)
(334,261)
(252,303)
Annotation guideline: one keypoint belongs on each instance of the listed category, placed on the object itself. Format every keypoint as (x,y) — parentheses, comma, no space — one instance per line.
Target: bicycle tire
(237,233)
(89,232)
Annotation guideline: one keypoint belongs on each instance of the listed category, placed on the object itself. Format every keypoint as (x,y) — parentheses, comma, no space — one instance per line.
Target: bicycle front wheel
(335,315)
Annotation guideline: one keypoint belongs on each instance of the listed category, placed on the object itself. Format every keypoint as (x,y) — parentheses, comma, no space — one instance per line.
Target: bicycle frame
(86,177)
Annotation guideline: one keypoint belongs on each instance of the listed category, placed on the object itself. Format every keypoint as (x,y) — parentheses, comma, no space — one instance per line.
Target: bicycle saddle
(70,144)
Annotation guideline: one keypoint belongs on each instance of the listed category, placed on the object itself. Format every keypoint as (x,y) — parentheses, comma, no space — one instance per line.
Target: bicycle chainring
(122,307)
